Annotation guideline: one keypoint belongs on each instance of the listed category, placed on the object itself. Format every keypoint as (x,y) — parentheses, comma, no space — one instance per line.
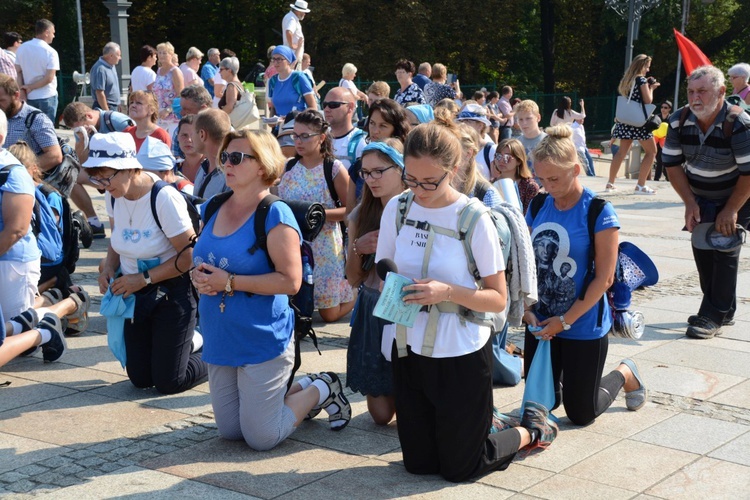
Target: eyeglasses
(234,158)
(505,158)
(278,59)
(427,186)
(375,174)
(302,137)
(104,181)
(665,107)
(333,104)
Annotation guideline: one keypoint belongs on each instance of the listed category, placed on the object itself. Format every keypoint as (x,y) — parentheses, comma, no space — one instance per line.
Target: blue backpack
(43,222)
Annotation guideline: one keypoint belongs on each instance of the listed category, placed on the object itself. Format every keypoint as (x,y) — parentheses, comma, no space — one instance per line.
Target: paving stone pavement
(79,429)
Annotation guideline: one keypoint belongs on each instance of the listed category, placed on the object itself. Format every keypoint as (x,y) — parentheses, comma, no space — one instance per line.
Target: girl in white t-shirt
(444,398)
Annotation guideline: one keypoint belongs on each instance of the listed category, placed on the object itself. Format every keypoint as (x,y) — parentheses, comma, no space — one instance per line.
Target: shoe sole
(727,322)
(79,320)
(701,336)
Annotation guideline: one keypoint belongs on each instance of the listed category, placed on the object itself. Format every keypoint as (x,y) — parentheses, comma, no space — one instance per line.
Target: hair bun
(559,132)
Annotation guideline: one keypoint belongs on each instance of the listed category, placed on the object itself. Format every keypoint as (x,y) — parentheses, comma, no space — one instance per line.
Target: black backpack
(191,201)
(70,234)
(302,302)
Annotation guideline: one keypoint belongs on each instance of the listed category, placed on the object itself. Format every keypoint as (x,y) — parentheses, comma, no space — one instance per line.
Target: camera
(651,80)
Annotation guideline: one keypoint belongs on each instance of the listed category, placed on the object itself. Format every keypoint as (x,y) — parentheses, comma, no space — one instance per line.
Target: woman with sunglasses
(150,263)
(386,119)
(664,111)
(444,398)
(143,110)
(367,372)
(305,181)
(246,320)
(510,163)
(288,89)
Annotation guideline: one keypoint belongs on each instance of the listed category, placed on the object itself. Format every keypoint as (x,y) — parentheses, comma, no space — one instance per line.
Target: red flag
(692,56)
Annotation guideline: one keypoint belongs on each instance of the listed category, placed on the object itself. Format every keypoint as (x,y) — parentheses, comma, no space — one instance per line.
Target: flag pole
(685,14)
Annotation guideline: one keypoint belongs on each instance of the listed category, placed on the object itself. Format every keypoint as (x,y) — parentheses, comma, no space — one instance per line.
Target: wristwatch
(229,287)
(147,277)
(565,326)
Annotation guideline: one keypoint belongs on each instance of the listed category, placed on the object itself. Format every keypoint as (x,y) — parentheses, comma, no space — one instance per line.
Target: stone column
(118,24)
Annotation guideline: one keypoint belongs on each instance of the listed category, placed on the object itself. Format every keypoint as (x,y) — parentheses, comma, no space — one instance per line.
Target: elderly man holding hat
(291,28)
(288,90)
(149,259)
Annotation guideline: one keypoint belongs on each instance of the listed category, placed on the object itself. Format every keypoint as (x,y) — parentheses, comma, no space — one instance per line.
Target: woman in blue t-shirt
(560,238)
(246,321)
(288,89)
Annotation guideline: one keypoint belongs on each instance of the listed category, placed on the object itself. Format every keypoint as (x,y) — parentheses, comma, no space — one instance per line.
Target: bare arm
(101,98)
(491,298)
(311,102)
(341,184)
(50,158)
(231,95)
(178,82)
(679,181)
(365,244)
(16,209)
(726,220)
(48,78)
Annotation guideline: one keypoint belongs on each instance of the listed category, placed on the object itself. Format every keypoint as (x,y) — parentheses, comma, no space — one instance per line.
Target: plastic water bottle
(307,271)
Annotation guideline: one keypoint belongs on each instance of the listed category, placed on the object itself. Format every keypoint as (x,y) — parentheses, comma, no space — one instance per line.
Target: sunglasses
(505,158)
(234,158)
(302,137)
(278,59)
(427,186)
(666,107)
(333,104)
(375,174)
(104,181)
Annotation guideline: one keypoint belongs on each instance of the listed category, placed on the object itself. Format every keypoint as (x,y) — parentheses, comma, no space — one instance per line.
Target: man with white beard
(707,151)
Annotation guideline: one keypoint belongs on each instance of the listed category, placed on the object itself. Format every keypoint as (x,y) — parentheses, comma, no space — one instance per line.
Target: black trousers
(159,340)
(717,271)
(577,367)
(444,408)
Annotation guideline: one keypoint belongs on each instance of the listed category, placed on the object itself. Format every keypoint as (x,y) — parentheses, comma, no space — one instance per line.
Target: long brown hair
(370,208)
(317,122)
(636,68)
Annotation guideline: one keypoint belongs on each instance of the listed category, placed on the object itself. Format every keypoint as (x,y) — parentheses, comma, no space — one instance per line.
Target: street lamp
(632,10)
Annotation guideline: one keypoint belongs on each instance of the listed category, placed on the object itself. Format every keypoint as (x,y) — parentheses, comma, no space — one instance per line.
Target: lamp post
(632,10)
(118,24)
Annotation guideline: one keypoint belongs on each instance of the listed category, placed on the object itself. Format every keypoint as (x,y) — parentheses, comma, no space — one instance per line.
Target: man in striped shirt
(707,151)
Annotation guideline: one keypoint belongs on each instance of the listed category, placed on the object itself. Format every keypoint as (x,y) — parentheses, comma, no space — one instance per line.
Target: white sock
(305,382)
(322,389)
(46,335)
(17,327)
(197,341)
(94,221)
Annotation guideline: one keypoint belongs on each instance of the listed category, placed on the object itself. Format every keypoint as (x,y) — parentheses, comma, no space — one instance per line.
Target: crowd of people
(209,298)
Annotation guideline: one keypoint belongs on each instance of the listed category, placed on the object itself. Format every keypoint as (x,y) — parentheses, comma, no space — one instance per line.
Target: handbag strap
(632,88)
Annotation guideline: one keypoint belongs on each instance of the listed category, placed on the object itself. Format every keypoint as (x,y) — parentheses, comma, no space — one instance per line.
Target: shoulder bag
(632,113)
(245,112)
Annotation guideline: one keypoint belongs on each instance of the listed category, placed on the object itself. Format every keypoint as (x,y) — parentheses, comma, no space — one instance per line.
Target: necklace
(130,213)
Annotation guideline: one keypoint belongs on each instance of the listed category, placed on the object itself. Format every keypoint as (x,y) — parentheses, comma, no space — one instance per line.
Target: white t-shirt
(341,147)
(141,77)
(482,166)
(292,23)
(143,239)
(447,264)
(35,58)
(218,80)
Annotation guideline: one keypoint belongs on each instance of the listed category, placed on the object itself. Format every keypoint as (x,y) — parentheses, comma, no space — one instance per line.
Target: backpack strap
(328,173)
(595,209)
(733,112)
(5,172)
(486,151)
(158,186)
(467,222)
(107,115)
(480,188)
(351,148)
(290,164)
(536,204)
(261,237)
(684,112)
(31,117)
(213,205)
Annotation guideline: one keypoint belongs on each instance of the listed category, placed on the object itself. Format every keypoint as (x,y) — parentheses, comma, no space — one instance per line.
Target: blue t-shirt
(19,182)
(289,93)
(104,77)
(560,239)
(208,72)
(252,329)
(55,202)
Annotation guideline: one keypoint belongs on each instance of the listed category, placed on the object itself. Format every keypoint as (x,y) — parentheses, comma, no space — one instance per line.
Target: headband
(387,150)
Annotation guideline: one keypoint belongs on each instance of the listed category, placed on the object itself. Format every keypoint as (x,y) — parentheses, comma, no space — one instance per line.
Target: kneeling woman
(246,320)
(143,260)
(444,397)
(561,241)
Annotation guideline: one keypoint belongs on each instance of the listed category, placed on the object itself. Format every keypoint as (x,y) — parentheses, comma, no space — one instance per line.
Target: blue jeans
(48,106)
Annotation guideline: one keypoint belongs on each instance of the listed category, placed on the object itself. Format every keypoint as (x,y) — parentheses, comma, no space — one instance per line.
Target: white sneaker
(197,341)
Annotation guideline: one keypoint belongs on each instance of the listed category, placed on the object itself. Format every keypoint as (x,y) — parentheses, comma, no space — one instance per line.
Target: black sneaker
(694,318)
(85,233)
(98,232)
(703,328)
(27,319)
(56,347)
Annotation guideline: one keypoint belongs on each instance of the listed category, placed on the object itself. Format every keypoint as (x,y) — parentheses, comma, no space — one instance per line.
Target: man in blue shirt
(422,77)
(104,81)
(210,69)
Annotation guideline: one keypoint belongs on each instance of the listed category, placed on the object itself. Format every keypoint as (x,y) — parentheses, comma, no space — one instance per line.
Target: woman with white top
(565,113)
(143,77)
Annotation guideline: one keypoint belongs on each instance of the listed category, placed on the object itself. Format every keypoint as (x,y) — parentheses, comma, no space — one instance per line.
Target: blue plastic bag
(540,386)
(117,309)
